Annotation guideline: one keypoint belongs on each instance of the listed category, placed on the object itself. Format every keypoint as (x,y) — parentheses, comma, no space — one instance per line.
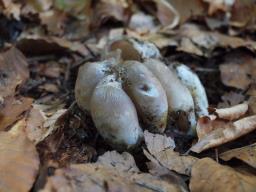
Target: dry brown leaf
(230,113)
(161,154)
(54,21)
(246,154)
(192,8)
(243,14)
(207,175)
(172,161)
(34,125)
(170,13)
(38,125)
(117,10)
(14,71)
(36,6)
(34,44)
(122,162)
(50,87)
(231,98)
(98,178)
(19,162)
(207,124)
(11,110)
(52,123)
(11,9)
(238,69)
(80,9)
(219,5)
(222,132)
(156,143)
(207,41)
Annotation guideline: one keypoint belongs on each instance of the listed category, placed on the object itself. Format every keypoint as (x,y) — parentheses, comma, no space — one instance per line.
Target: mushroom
(132,82)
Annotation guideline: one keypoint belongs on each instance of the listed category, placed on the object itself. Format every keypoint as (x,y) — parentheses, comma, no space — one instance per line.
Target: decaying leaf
(10,8)
(54,21)
(213,133)
(36,6)
(34,125)
(52,123)
(170,13)
(123,162)
(246,154)
(156,143)
(207,41)
(117,10)
(243,14)
(98,178)
(238,69)
(161,154)
(19,162)
(207,175)
(231,98)
(80,8)
(13,71)
(38,124)
(11,110)
(219,5)
(35,45)
(231,113)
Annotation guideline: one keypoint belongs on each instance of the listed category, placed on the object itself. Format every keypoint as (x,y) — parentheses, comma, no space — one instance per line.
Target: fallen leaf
(230,113)
(170,13)
(117,10)
(222,132)
(243,14)
(54,21)
(11,110)
(193,8)
(34,125)
(98,178)
(207,175)
(161,154)
(156,143)
(34,44)
(246,154)
(219,5)
(232,98)
(207,41)
(123,162)
(11,9)
(36,6)
(80,9)
(50,87)
(13,71)
(19,162)
(238,69)
(52,122)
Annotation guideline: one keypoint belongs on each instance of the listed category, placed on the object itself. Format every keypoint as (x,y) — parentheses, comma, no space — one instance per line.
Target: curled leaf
(223,132)
(231,113)
(246,154)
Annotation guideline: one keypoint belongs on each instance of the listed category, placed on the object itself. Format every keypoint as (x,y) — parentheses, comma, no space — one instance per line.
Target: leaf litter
(49,144)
